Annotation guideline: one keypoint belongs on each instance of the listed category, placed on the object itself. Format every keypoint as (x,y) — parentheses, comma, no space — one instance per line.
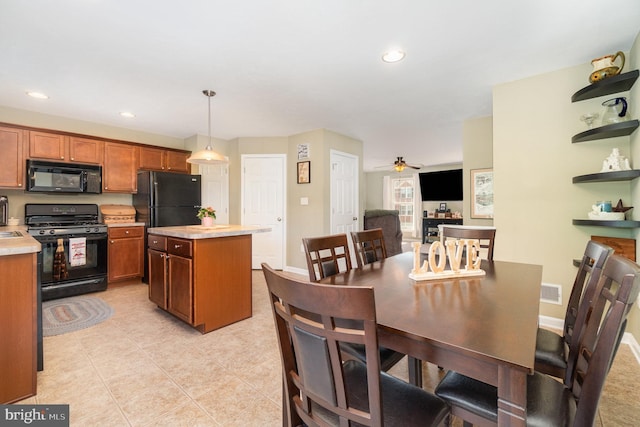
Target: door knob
(355,218)
(279,219)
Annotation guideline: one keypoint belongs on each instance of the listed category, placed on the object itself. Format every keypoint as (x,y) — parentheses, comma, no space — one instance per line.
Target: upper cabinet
(176,161)
(12,160)
(86,150)
(63,148)
(158,159)
(120,160)
(50,146)
(119,174)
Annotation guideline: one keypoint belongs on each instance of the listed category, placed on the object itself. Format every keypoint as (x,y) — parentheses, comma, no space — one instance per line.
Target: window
(403,191)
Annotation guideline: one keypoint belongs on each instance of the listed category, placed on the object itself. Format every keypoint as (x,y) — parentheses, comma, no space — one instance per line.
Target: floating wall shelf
(604,223)
(607,176)
(608,131)
(619,83)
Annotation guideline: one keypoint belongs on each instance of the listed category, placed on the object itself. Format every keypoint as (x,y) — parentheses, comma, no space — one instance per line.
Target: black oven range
(77,229)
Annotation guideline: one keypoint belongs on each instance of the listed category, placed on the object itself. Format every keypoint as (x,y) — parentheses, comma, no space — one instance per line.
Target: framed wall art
(482,193)
(304,172)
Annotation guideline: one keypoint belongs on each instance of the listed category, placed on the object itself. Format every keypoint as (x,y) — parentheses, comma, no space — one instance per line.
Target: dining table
(480,326)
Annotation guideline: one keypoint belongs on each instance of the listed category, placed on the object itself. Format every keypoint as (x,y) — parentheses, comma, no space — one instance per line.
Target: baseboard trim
(296,270)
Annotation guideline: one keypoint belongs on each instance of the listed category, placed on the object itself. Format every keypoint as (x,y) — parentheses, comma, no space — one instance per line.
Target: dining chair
(326,255)
(553,349)
(369,246)
(318,388)
(486,236)
(550,402)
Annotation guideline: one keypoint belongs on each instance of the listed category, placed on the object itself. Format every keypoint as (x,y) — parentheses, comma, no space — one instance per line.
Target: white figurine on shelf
(615,162)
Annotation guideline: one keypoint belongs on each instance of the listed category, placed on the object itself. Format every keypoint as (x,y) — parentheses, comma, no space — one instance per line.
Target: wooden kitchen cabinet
(119,174)
(207,281)
(86,150)
(63,148)
(126,252)
(12,160)
(158,159)
(48,146)
(180,276)
(176,161)
(157,274)
(18,333)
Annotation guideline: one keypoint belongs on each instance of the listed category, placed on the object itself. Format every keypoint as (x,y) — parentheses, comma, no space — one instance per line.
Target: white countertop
(125,224)
(18,245)
(201,232)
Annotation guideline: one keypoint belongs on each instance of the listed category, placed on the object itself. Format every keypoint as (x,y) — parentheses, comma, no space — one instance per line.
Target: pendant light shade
(207,156)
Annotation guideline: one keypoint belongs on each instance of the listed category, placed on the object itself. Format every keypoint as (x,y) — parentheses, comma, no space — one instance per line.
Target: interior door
(215,190)
(344,195)
(263,204)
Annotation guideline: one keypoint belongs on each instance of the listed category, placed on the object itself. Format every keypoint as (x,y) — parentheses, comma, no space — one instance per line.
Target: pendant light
(208,156)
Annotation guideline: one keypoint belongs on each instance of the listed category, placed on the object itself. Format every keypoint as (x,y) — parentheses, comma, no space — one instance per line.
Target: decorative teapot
(604,67)
(615,111)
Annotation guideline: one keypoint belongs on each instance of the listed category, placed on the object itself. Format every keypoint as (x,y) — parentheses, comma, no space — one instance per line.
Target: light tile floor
(143,367)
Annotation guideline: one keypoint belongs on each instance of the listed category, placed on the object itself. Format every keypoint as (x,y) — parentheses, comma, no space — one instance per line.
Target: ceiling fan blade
(412,167)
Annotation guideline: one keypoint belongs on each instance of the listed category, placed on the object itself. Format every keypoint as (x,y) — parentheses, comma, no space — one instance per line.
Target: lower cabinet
(18,321)
(126,253)
(204,282)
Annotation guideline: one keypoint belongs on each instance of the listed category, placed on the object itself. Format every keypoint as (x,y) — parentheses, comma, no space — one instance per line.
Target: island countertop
(202,232)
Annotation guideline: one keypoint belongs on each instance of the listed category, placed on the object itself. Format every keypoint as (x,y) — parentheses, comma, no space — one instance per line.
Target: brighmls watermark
(34,415)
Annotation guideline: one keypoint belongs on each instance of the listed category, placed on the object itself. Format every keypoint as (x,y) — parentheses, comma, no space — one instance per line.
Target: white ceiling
(282,67)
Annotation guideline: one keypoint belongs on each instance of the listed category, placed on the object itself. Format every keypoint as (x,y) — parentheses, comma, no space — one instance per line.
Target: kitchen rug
(72,314)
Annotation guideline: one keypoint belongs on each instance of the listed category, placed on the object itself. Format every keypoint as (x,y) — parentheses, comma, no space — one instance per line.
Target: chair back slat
(593,260)
(327,255)
(486,236)
(369,246)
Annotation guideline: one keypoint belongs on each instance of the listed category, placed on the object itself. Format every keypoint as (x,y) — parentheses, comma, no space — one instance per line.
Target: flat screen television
(441,186)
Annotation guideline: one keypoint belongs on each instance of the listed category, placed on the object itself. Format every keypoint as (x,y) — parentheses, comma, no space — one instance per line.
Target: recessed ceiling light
(37,95)
(127,114)
(393,56)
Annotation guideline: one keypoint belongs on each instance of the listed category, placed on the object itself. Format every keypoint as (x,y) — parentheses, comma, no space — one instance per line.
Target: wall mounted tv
(441,186)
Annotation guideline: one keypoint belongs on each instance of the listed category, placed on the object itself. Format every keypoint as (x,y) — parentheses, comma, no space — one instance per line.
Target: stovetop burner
(62,219)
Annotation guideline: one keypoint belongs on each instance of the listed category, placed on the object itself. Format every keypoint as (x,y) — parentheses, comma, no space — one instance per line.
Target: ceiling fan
(399,165)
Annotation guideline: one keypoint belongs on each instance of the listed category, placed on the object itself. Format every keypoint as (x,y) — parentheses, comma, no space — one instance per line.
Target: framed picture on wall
(482,193)
(304,172)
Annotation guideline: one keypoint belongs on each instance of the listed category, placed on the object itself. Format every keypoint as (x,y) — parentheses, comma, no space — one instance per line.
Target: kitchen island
(202,275)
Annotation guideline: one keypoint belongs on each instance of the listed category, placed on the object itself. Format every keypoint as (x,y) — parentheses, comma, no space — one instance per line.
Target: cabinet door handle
(111,241)
(177,246)
(155,242)
(126,232)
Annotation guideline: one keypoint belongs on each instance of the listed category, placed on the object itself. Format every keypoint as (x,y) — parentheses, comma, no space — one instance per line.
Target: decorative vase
(207,221)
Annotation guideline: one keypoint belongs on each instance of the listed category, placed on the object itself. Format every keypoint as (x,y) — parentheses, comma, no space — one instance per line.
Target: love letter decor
(434,269)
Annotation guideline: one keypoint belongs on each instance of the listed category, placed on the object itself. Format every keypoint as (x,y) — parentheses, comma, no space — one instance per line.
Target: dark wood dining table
(483,327)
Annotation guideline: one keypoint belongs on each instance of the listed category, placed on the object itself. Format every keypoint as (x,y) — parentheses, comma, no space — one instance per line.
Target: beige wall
(477,149)
(534,163)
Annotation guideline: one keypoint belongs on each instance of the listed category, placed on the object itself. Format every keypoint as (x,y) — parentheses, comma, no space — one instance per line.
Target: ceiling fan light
(208,156)
(399,167)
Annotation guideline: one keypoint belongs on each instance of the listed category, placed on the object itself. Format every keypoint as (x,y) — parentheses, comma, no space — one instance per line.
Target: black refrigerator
(166,199)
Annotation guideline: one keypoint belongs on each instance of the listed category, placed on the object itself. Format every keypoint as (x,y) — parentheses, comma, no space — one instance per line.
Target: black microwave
(52,177)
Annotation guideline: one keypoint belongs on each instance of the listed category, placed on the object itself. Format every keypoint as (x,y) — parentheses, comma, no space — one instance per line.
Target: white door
(263,204)
(344,192)
(215,190)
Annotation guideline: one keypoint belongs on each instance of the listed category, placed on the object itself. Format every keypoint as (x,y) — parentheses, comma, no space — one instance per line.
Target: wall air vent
(551,293)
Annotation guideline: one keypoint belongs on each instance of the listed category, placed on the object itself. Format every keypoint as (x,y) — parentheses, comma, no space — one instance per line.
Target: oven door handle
(74,283)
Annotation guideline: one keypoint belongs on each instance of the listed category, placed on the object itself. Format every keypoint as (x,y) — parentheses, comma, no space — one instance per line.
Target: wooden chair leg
(415,371)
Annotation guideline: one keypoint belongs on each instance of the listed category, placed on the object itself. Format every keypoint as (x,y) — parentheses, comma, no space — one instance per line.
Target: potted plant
(207,215)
